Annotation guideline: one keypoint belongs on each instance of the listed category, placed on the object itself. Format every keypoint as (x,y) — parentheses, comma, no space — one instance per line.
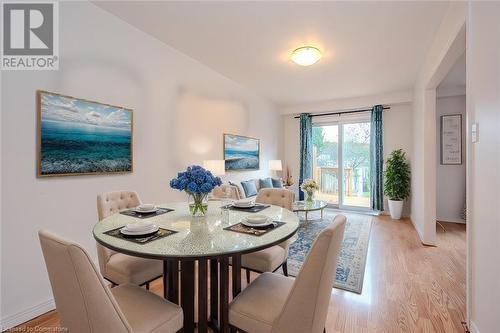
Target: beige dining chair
(274,257)
(119,268)
(85,303)
(278,304)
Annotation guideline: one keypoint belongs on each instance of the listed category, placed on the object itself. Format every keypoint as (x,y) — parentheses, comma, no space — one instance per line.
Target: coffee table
(309,206)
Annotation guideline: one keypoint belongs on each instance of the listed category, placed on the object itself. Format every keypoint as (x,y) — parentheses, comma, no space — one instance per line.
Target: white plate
(137,210)
(244,204)
(259,225)
(153,229)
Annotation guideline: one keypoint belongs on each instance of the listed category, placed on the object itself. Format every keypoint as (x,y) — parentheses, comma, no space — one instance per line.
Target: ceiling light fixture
(306,55)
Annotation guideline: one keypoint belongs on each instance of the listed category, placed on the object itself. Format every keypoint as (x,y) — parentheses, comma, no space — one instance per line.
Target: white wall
(450,179)
(483,107)
(397,134)
(447,44)
(181,108)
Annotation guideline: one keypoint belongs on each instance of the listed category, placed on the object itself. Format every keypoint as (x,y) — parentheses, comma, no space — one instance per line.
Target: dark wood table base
(218,319)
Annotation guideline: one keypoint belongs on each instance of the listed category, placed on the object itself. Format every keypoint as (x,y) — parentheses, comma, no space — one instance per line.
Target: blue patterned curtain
(377,159)
(305,150)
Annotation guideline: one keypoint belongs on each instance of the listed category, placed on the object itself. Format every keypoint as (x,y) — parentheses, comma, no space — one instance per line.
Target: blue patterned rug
(352,257)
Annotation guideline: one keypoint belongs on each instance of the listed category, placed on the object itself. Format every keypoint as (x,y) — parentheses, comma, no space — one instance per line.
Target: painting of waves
(241,152)
(82,137)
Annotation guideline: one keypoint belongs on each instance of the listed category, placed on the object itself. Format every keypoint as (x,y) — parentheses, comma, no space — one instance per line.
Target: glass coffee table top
(307,206)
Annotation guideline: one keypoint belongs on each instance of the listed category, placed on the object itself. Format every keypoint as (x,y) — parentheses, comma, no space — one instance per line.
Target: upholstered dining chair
(119,268)
(86,304)
(272,258)
(279,304)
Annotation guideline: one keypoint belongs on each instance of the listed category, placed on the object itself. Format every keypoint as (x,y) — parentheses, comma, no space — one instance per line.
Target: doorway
(341,162)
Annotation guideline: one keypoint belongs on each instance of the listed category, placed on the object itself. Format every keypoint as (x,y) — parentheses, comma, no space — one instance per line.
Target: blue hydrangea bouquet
(197,183)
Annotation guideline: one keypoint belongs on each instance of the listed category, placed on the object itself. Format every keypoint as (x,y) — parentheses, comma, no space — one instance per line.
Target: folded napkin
(257,219)
(139,226)
(244,203)
(146,207)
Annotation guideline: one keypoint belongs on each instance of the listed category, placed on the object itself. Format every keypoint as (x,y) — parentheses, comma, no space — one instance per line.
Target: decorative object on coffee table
(309,186)
(397,181)
(197,183)
(78,137)
(241,152)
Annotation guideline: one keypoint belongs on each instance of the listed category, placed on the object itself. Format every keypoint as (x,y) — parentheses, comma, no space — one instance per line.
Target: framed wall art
(241,152)
(82,137)
(451,139)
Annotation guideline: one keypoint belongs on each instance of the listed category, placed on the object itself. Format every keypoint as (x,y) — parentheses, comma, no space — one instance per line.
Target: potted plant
(397,182)
(197,183)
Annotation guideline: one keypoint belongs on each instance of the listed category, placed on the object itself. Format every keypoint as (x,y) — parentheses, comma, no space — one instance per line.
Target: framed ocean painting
(241,152)
(81,137)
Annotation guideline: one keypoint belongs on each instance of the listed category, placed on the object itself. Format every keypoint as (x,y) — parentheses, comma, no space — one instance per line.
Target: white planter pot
(396,208)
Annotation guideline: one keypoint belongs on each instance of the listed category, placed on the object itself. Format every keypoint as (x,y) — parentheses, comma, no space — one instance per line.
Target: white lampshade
(275,165)
(217,167)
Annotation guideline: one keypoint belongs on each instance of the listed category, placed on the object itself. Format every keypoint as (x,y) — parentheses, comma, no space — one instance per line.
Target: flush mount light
(306,55)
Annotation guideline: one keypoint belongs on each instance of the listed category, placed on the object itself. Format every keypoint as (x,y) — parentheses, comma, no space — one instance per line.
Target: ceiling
(456,76)
(369,47)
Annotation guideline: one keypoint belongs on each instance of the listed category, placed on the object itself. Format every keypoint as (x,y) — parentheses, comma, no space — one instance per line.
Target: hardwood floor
(407,287)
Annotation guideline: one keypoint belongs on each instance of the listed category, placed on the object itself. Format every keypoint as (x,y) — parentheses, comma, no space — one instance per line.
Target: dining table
(197,252)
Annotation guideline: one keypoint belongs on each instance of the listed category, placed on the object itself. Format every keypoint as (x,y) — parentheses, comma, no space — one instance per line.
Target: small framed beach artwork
(241,152)
(81,137)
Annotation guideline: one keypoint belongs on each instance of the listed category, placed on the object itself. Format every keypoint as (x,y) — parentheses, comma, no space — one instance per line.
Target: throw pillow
(266,183)
(238,189)
(277,183)
(249,188)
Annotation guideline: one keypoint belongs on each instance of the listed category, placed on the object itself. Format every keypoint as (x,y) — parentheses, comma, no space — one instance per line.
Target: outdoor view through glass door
(348,145)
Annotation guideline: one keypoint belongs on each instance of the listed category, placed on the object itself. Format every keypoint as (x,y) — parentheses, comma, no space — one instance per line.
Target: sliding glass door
(345,144)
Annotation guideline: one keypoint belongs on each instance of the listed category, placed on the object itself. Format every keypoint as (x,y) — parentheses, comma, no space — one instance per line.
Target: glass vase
(309,196)
(198,204)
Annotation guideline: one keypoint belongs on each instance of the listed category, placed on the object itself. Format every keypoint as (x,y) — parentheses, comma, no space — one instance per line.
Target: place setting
(247,205)
(140,232)
(257,225)
(144,211)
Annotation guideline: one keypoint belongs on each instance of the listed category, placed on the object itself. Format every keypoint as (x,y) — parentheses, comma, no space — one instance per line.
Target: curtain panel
(305,150)
(377,159)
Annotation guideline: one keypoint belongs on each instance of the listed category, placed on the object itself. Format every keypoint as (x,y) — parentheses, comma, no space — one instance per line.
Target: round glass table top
(197,237)
(306,206)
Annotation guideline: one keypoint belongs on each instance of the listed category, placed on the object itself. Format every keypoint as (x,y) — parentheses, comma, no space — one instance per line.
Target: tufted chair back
(107,204)
(220,192)
(276,196)
(84,302)
(279,197)
(112,202)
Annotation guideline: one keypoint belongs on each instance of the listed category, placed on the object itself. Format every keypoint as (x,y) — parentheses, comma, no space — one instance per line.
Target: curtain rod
(341,112)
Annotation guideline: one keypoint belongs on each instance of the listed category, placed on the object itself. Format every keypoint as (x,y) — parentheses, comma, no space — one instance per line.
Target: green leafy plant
(397,176)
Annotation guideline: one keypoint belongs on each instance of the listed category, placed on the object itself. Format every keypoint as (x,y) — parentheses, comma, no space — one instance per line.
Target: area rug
(352,257)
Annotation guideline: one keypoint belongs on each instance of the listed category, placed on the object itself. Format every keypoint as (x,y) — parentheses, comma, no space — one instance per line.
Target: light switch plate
(474,133)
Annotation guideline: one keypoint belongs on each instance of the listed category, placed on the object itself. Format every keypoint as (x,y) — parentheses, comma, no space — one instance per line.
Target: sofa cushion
(249,188)
(277,183)
(241,192)
(266,183)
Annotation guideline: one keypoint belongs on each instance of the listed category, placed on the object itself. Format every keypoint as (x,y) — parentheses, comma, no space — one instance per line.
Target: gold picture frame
(67,111)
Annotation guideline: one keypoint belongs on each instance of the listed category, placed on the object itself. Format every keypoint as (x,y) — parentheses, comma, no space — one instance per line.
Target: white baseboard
(26,315)
(451,220)
(473,327)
